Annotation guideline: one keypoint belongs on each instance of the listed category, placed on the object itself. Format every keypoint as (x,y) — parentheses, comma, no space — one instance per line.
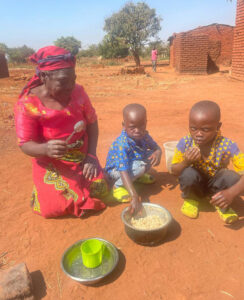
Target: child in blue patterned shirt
(201,160)
(131,155)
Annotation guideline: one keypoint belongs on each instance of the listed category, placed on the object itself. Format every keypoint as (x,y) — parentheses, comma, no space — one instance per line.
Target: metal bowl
(73,267)
(149,236)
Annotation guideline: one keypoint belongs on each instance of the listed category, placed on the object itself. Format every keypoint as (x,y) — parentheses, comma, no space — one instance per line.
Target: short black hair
(207,106)
(133,107)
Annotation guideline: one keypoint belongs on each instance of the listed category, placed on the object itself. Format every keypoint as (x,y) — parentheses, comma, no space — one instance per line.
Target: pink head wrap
(48,59)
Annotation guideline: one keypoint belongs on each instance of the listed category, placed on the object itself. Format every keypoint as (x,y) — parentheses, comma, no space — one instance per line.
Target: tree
(69,43)
(113,47)
(91,51)
(19,54)
(135,24)
(162,48)
(3,48)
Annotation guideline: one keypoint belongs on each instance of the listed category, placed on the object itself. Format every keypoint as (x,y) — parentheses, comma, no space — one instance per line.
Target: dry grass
(3,259)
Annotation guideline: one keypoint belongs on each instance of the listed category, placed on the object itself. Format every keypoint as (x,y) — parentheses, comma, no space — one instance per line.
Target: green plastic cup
(92,253)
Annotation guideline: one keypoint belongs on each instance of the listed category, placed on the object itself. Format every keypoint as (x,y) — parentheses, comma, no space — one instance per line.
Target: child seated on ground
(131,155)
(200,160)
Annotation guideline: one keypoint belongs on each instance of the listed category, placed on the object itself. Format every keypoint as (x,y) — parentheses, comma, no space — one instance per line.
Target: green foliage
(162,48)
(3,48)
(19,54)
(113,47)
(69,43)
(90,52)
(135,24)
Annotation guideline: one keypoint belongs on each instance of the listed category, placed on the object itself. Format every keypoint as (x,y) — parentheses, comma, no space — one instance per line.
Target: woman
(67,176)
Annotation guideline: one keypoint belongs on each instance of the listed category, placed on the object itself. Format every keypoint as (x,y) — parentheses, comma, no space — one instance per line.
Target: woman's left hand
(90,167)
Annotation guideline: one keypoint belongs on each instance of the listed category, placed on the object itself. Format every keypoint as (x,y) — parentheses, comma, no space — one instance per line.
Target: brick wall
(171,54)
(219,48)
(177,51)
(3,66)
(238,46)
(193,52)
(219,33)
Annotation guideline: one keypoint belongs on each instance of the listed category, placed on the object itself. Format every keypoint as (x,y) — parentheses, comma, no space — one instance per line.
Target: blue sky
(39,23)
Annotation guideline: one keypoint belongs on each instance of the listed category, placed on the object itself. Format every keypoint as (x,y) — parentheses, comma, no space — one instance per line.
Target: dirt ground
(200,259)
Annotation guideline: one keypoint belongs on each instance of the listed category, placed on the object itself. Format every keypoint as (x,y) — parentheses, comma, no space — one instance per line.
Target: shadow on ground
(238,206)
(163,180)
(115,273)
(39,285)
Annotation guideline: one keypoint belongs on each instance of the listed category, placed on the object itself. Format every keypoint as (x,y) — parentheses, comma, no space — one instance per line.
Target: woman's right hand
(56,148)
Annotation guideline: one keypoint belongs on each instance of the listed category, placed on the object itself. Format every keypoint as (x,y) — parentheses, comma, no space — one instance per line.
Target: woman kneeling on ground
(57,125)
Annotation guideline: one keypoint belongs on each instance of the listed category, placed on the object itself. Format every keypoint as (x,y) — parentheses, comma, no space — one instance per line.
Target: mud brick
(195,46)
(237,70)
(16,284)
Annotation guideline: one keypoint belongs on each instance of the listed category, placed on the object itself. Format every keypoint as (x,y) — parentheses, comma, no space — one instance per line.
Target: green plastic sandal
(229,216)
(190,208)
(121,194)
(146,179)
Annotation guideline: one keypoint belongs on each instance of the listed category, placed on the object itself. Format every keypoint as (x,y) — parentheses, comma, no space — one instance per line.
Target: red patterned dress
(59,186)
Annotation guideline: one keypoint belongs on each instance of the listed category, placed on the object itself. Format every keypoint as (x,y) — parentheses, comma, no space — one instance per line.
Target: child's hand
(222,199)
(90,167)
(135,205)
(155,158)
(192,155)
(56,148)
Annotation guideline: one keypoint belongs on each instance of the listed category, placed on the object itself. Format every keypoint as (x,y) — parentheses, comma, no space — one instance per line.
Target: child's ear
(123,124)
(219,125)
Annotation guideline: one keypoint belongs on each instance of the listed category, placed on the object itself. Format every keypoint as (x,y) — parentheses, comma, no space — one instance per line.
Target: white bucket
(169,149)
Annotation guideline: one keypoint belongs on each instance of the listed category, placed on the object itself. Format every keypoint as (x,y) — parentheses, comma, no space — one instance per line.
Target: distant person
(68,179)
(154,56)
(201,160)
(131,155)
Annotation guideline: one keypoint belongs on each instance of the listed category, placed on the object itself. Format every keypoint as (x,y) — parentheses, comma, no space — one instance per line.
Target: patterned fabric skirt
(61,189)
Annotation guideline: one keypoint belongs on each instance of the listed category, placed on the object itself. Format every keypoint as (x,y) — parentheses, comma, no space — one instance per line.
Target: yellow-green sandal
(229,216)
(190,208)
(99,189)
(121,194)
(146,179)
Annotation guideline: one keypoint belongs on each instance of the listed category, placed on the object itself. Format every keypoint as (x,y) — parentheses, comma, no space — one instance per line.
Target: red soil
(200,259)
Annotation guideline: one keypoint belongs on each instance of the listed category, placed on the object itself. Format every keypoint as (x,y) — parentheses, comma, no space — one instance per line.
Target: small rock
(16,284)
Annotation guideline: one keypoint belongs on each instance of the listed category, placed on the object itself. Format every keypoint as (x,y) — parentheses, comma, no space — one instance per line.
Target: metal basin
(149,236)
(72,265)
